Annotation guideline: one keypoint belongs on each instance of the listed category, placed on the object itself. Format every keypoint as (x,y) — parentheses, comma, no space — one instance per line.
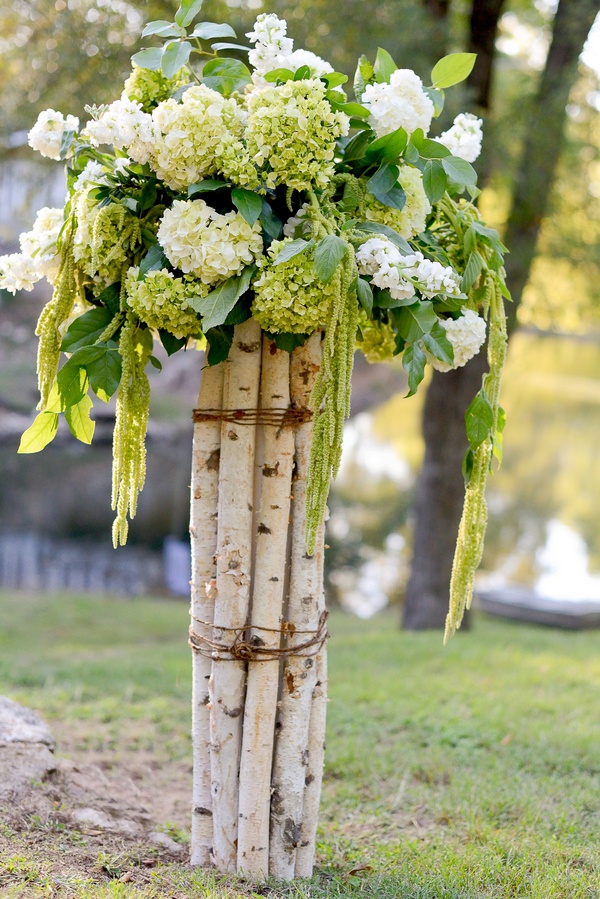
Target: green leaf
(355,148)
(384,66)
(334,79)
(187,12)
(175,56)
(467,466)
(242,310)
(396,239)
(155,363)
(40,433)
(437,98)
(351,109)
(452,69)
(215,307)
(293,249)
(288,342)
(207,31)
(205,186)
(469,240)
(170,342)
(384,300)
(459,170)
(65,145)
(329,252)
(432,149)
(394,198)
(279,75)
(226,76)
(247,203)
(490,236)
(365,295)
(72,379)
(225,45)
(384,179)
(413,363)
(437,343)
(149,59)
(363,74)
(79,421)
(472,270)
(153,261)
(86,329)
(104,372)
(272,225)
(435,180)
(387,148)
(416,320)
(162,28)
(219,343)
(302,73)
(479,419)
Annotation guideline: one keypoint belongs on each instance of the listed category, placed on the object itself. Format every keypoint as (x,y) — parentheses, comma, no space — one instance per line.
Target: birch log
(203,533)
(271,539)
(288,823)
(234,564)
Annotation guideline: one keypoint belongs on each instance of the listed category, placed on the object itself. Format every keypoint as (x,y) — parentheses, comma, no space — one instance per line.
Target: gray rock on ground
(26,750)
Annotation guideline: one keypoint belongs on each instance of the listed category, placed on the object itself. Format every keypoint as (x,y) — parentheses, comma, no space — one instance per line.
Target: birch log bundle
(259,693)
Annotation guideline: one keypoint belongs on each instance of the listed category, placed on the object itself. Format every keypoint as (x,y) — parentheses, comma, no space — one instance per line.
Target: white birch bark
(234,563)
(288,820)
(203,533)
(271,538)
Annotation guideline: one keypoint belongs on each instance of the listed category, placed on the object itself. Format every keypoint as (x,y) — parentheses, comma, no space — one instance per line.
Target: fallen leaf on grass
(360,869)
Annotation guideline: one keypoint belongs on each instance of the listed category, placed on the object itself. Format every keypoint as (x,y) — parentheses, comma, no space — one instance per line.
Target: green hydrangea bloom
(412,219)
(289,298)
(378,340)
(151,88)
(160,300)
(291,134)
(106,239)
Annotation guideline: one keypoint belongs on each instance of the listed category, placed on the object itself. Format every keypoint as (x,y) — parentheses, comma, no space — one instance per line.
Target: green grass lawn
(469,771)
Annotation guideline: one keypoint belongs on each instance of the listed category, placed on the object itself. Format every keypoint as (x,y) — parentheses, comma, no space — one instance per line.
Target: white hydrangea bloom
(467,336)
(120,164)
(92,173)
(465,136)
(298,225)
(400,104)
(431,277)
(18,272)
(40,244)
(47,133)
(200,241)
(317,65)
(381,259)
(124,124)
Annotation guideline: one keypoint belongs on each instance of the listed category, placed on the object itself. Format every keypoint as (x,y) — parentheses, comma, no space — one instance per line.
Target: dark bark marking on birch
(233,713)
(263,529)
(289,677)
(249,347)
(274,579)
(292,833)
(199,810)
(232,435)
(309,779)
(269,472)
(212,463)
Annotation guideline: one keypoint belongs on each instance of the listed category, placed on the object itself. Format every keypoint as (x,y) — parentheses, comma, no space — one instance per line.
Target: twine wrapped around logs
(254,650)
(282,418)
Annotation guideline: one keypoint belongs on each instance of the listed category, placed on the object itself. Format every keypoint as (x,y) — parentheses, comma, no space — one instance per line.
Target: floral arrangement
(212,191)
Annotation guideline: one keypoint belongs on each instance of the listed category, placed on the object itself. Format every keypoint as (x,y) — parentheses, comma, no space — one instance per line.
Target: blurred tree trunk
(439,494)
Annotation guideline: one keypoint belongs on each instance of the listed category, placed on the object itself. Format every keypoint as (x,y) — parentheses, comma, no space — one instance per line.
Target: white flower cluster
(17,272)
(400,104)
(39,256)
(47,134)
(40,244)
(191,135)
(402,275)
(92,173)
(124,124)
(467,336)
(200,241)
(298,225)
(464,138)
(273,50)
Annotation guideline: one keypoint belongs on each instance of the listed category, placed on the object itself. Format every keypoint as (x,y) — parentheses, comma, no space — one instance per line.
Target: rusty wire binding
(254,649)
